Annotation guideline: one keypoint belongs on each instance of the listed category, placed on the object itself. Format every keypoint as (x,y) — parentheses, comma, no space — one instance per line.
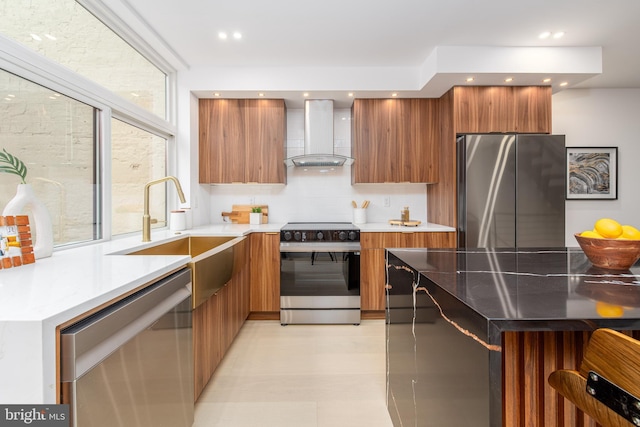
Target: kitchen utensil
(365,204)
(354,204)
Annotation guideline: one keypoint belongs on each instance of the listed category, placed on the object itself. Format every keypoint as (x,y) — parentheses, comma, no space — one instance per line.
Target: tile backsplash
(311,195)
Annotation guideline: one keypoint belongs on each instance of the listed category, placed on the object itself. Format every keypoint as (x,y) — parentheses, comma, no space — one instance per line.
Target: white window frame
(32,66)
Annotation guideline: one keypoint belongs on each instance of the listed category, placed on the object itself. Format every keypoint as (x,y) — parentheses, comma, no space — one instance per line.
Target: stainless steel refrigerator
(511,191)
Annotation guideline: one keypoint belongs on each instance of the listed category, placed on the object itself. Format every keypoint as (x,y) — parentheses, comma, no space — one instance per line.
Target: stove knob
(287,235)
(342,235)
(297,235)
(319,235)
(352,235)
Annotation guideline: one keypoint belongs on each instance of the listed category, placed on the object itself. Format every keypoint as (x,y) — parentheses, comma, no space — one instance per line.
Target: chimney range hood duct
(318,137)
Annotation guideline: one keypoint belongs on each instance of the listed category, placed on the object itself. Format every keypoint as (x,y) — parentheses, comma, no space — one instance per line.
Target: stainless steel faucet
(146,218)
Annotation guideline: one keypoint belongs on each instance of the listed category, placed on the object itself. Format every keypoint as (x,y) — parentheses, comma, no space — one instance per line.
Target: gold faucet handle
(154,221)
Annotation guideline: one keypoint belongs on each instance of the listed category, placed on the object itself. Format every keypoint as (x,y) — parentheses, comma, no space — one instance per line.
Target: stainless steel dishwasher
(131,363)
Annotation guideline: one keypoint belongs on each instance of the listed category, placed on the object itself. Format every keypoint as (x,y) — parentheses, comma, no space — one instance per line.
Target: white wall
(317,196)
(602,117)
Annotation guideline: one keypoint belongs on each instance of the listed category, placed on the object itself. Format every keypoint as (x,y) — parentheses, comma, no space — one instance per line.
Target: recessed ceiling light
(508,80)
(469,79)
(547,80)
(350,94)
(237,35)
(305,94)
(134,94)
(261,94)
(222,35)
(216,94)
(544,35)
(564,83)
(558,35)
(394,94)
(36,37)
(50,37)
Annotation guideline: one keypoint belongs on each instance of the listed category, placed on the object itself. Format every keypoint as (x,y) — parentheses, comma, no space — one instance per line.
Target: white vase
(25,198)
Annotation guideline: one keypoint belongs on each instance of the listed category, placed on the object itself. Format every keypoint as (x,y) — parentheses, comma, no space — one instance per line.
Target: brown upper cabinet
(242,141)
(487,109)
(395,140)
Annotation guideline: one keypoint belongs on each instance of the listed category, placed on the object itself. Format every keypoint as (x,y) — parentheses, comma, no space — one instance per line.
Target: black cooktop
(319,232)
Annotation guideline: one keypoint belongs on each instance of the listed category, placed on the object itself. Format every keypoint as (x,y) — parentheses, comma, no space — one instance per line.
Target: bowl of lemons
(610,245)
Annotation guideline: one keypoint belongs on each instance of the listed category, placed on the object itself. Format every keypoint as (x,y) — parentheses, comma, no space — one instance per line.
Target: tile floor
(299,376)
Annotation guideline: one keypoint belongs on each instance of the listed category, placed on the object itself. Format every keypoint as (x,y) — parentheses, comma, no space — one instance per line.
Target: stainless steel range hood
(318,137)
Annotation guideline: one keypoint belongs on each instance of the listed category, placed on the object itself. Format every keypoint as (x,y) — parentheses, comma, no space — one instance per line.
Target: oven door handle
(320,247)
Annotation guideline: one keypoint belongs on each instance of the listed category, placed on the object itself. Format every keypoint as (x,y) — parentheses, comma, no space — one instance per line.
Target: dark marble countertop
(537,287)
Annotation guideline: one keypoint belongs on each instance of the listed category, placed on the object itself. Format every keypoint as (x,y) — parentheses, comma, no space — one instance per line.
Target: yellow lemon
(591,234)
(630,232)
(609,310)
(608,228)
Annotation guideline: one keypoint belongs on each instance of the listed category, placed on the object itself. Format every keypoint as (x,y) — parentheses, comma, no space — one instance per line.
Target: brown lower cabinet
(216,323)
(264,263)
(253,292)
(372,262)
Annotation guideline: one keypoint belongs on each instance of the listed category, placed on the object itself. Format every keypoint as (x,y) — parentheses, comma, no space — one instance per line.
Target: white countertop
(383,227)
(37,298)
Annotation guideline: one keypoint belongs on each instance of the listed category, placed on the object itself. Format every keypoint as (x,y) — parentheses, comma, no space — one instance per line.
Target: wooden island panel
(528,360)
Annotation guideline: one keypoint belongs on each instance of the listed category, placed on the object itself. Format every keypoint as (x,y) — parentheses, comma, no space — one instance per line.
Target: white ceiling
(417,47)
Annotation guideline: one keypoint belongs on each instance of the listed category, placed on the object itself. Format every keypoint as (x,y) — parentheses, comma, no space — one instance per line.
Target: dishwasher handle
(86,343)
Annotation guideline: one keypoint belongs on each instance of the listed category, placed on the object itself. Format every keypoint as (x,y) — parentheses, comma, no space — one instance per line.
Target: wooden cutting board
(240,213)
(410,223)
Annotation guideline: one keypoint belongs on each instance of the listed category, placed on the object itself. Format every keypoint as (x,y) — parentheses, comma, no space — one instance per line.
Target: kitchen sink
(214,260)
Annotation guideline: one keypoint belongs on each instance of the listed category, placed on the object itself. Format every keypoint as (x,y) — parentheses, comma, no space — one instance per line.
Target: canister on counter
(404,214)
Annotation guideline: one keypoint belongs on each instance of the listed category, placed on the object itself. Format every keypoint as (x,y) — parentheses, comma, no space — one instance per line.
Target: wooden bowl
(611,254)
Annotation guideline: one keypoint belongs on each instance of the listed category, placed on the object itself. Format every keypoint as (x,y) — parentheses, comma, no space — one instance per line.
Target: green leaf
(13,165)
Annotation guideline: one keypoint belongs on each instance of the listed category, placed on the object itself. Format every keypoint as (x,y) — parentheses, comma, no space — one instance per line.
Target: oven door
(319,283)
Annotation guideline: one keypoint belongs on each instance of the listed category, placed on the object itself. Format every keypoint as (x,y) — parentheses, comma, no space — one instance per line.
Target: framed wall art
(592,173)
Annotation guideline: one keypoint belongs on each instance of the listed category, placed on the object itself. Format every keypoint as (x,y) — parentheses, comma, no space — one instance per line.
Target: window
(63,136)
(54,136)
(64,31)
(137,157)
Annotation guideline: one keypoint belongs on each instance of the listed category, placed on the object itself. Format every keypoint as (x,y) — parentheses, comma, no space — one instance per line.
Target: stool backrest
(610,355)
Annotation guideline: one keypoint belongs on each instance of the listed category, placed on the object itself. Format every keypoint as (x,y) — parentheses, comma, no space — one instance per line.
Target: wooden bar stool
(607,386)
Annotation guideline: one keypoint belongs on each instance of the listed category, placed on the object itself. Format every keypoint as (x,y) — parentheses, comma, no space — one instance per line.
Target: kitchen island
(473,335)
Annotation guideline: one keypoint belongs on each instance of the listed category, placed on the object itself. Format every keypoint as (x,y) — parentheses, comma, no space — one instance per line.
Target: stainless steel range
(319,273)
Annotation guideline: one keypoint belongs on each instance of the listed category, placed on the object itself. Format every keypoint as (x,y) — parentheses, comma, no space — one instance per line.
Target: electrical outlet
(252,201)
(387,201)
